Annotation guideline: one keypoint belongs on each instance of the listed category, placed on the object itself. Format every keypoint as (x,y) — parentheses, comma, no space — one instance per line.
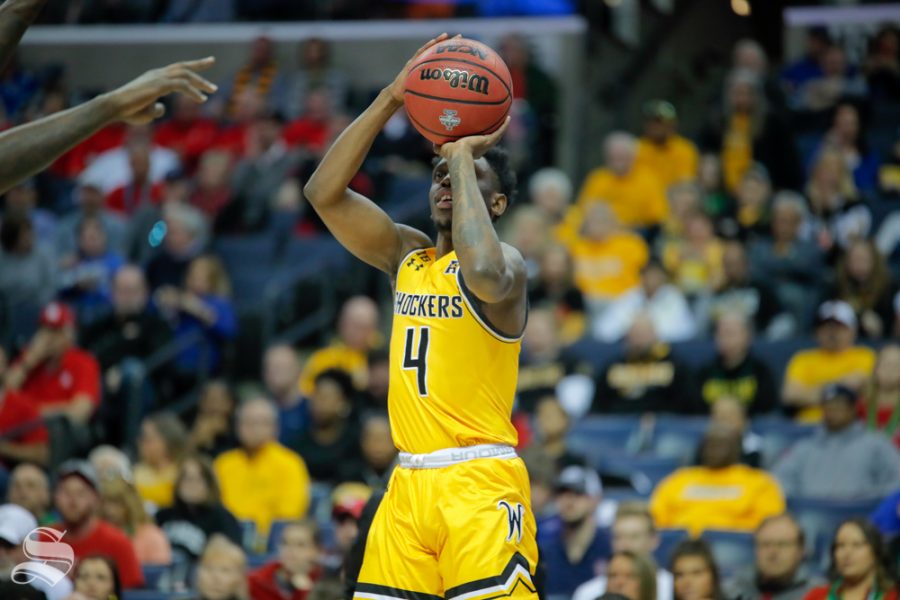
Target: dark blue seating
(248,535)
(668,540)
(732,549)
(820,518)
(154,574)
(694,353)
(607,431)
(677,438)
(255,561)
(778,435)
(643,470)
(402,190)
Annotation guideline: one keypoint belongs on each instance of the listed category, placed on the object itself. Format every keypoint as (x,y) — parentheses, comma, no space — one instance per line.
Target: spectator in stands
(28,276)
(882,64)
(748,54)
(633,192)
(332,436)
(184,239)
(886,516)
(295,569)
(542,474)
(695,261)
(551,424)
(29,487)
(879,403)
(23,435)
(222,574)
(202,307)
(572,549)
(695,573)
(839,217)
(211,432)
(379,456)
(139,189)
(357,334)
(740,292)
(645,378)
(97,578)
(842,460)
(346,513)
(262,481)
(889,175)
(55,375)
(837,80)
(22,200)
(736,372)
(607,257)
(197,513)
(716,200)
(86,283)
(311,131)
(634,532)
(123,507)
(791,264)
(212,191)
(90,204)
(267,163)
(730,413)
(847,136)
(836,360)
(378,375)
(260,74)
(663,302)
(734,496)
(550,191)
(779,572)
(528,232)
(672,157)
(315,72)
(554,285)
(161,444)
(16,525)
(864,282)
(281,370)
(77,499)
(188,132)
(750,219)
(110,463)
(860,565)
(685,199)
(747,131)
(796,74)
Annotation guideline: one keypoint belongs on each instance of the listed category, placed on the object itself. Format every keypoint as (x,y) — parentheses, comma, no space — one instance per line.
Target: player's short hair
(498,159)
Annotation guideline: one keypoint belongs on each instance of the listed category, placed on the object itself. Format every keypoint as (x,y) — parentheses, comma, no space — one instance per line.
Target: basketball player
(456,520)
(30,148)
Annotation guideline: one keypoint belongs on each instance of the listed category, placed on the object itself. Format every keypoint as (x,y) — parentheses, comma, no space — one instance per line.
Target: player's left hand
(476,145)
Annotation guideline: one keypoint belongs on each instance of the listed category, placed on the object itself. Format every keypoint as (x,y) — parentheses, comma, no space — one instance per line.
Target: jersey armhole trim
(474,305)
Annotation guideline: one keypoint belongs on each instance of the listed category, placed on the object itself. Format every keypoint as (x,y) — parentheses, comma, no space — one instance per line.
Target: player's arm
(31,148)
(15,18)
(357,222)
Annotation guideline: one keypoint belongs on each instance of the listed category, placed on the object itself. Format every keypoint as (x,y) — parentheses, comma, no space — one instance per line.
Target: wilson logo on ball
(457,78)
(449,119)
(463,48)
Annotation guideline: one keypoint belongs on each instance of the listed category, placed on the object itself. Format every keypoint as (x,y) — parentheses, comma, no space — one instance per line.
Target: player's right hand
(399,84)
(137,103)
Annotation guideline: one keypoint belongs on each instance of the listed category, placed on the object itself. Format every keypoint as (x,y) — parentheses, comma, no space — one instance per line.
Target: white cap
(15,523)
(581,480)
(838,311)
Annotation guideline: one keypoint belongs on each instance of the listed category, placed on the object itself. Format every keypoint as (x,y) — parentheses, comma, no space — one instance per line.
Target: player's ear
(499,204)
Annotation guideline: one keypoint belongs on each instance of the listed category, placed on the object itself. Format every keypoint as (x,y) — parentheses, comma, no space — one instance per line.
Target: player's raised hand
(476,145)
(137,103)
(399,84)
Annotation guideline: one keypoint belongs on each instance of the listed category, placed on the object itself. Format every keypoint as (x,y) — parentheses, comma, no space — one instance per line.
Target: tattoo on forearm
(15,17)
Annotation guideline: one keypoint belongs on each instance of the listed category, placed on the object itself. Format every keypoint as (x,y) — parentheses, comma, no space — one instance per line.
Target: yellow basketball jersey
(453,376)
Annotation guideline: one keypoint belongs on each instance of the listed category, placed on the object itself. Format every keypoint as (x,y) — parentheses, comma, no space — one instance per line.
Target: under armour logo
(412,263)
(514,519)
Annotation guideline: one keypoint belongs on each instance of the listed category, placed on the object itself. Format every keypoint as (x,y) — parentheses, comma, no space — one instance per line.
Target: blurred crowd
(728,284)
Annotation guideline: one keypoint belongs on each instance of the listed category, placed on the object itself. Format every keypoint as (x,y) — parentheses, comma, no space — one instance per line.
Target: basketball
(457,88)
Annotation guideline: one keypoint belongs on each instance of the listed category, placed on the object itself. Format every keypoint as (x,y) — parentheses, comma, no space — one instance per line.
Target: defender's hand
(399,84)
(136,102)
(476,145)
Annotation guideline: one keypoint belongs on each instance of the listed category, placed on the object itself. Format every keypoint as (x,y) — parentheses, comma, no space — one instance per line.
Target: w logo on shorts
(514,519)
(50,560)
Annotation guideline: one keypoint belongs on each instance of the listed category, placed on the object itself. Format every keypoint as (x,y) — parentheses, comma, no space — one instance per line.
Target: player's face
(441,193)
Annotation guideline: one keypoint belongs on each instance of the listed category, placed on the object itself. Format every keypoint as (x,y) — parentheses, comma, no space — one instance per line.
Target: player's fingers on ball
(431,43)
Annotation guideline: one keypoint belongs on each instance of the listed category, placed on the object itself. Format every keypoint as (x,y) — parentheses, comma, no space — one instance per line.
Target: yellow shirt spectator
(674,161)
(336,356)
(271,484)
(817,367)
(737,150)
(695,261)
(637,198)
(698,498)
(155,486)
(608,268)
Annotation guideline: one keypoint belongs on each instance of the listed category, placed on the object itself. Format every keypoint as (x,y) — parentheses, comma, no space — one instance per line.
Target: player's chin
(442,220)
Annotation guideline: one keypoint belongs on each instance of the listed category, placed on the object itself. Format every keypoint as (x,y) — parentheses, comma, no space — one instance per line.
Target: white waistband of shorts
(453,456)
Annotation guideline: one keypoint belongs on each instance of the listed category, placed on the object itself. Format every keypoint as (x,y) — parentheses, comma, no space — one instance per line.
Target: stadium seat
(777,354)
(643,470)
(275,534)
(732,549)
(320,503)
(694,353)
(820,518)
(248,535)
(154,574)
(678,437)
(668,540)
(597,354)
(778,435)
(595,433)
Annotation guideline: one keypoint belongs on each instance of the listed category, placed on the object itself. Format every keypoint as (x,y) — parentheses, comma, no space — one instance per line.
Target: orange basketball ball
(457,88)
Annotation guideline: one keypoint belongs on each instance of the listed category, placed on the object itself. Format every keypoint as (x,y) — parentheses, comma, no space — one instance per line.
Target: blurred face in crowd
(641,336)
(734,263)
(599,223)
(90,197)
(684,200)
(95,579)
(514,51)
(750,55)
(139,161)
(693,578)
(114,511)
(379,379)
(729,413)
(551,420)
(551,199)
(529,231)
(754,191)
(838,413)
(779,552)
(846,123)
(376,442)
(281,371)
(213,172)
(887,369)
(555,267)
(179,238)
(267,131)
(21,199)
(29,487)
(853,556)
(828,172)
(834,337)
(92,238)
(346,530)
(623,578)
(786,221)
(620,156)
(653,277)
(659,130)
(721,448)
(318,106)
(633,533)
(328,404)
(574,507)
(75,500)
(216,401)
(192,486)
(58,340)
(732,337)
(129,291)
(742,96)
(358,323)
(297,550)
(221,575)
(261,52)
(541,338)
(151,445)
(199,279)
(834,62)
(699,229)
(314,54)
(860,261)
(710,175)
(256,424)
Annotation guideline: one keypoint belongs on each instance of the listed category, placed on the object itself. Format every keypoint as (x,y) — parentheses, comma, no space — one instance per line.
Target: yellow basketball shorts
(463,531)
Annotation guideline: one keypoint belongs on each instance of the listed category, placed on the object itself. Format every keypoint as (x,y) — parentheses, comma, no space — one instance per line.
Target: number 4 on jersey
(419,360)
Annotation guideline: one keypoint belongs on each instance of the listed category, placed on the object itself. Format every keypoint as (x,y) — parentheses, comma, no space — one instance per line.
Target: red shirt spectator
(306,133)
(128,198)
(24,436)
(73,162)
(188,132)
(270,583)
(296,570)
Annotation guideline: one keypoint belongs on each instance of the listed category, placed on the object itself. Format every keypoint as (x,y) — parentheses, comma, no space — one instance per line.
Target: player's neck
(444,244)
